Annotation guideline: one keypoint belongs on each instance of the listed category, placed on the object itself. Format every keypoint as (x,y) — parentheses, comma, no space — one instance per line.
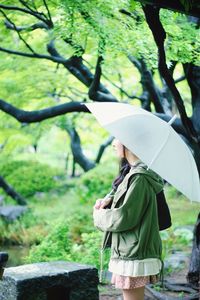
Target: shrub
(25,230)
(88,252)
(96,183)
(62,244)
(55,246)
(29,177)
(174,239)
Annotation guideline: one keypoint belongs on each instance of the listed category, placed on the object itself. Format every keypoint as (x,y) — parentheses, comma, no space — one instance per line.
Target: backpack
(164,217)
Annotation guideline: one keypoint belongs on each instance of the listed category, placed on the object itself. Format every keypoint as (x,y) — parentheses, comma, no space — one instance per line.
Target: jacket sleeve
(130,213)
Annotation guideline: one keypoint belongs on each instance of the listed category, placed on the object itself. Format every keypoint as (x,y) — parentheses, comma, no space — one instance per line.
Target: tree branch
(39,25)
(43,114)
(159,34)
(102,148)
(135,62)
(48,12)
(11,192)
(180,79)
(77,152)
(94,90)
(151,93)
(19,34)
(74,65)
(79,50)
(191,8)
(36,14)
(56,59)
(192,73)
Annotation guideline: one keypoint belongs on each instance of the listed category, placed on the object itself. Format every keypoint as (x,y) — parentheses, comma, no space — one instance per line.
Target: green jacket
(131,224)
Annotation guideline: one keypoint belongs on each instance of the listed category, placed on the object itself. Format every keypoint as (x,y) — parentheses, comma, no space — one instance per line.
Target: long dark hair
(124,168)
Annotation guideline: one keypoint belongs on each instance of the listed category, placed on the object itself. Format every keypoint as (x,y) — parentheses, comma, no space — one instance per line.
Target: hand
(101,203)
(98,203)
(105,202)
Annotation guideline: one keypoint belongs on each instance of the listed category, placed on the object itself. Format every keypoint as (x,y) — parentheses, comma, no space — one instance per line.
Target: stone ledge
(57,280)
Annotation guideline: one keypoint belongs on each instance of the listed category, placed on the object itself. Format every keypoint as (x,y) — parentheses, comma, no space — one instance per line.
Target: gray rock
(40,195)
(1,199)
(176,260)
(58,280)
(12,212)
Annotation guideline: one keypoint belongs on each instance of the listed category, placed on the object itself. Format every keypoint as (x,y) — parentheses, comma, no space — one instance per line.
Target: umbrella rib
(159,150)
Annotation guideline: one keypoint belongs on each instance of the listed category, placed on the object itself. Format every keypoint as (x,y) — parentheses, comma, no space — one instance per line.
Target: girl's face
(118,147)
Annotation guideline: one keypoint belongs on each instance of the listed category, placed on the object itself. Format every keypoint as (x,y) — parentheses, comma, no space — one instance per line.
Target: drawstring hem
(162,274)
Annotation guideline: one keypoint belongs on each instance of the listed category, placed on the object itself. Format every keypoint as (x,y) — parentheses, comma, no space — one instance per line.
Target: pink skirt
(128,282)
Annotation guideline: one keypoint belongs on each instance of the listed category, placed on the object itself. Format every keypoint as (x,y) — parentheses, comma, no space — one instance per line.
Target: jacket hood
(152,177)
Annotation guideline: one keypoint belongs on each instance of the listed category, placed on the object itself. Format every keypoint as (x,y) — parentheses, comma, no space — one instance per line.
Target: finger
(98,202)
(103,204)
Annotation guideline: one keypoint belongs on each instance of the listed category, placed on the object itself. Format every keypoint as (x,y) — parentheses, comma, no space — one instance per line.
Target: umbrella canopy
(154,141)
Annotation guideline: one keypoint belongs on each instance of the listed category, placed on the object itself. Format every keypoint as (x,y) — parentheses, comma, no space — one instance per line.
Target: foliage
(100,21)
(29,177)
(23,231)
(187,4)
(74,239)
(102,27)
(175,239)
(96,183)
(55,246)
(61,227)
(189,50)
(59,244)
(32,84)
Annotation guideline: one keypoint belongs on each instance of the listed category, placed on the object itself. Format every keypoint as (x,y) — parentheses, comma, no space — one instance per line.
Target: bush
(175,239)
(62,244)
(55,246)
(25,230)
(96,183)
(88,252)
(29,177)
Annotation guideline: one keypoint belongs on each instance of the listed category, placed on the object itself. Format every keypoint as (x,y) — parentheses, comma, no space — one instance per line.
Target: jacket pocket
(128,242)
(115,244)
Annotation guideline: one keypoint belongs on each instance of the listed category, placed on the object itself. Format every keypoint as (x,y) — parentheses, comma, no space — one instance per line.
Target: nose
(113,142)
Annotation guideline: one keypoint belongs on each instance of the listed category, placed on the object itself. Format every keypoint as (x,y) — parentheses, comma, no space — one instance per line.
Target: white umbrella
(154,141)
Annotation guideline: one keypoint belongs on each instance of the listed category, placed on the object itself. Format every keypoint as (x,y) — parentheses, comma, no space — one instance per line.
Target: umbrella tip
(172,119)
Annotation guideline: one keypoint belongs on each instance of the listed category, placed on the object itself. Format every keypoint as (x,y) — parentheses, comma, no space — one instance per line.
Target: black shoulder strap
(164,217)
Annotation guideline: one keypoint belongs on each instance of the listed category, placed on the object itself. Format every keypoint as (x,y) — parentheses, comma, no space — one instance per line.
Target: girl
(129,221)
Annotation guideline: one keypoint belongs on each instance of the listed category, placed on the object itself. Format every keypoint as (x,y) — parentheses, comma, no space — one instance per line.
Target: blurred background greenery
(36,158)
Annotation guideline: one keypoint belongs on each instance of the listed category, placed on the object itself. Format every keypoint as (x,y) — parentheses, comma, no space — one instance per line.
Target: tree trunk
(102,148)
(191,8)
(193,275)
(77,152)
(11,192)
